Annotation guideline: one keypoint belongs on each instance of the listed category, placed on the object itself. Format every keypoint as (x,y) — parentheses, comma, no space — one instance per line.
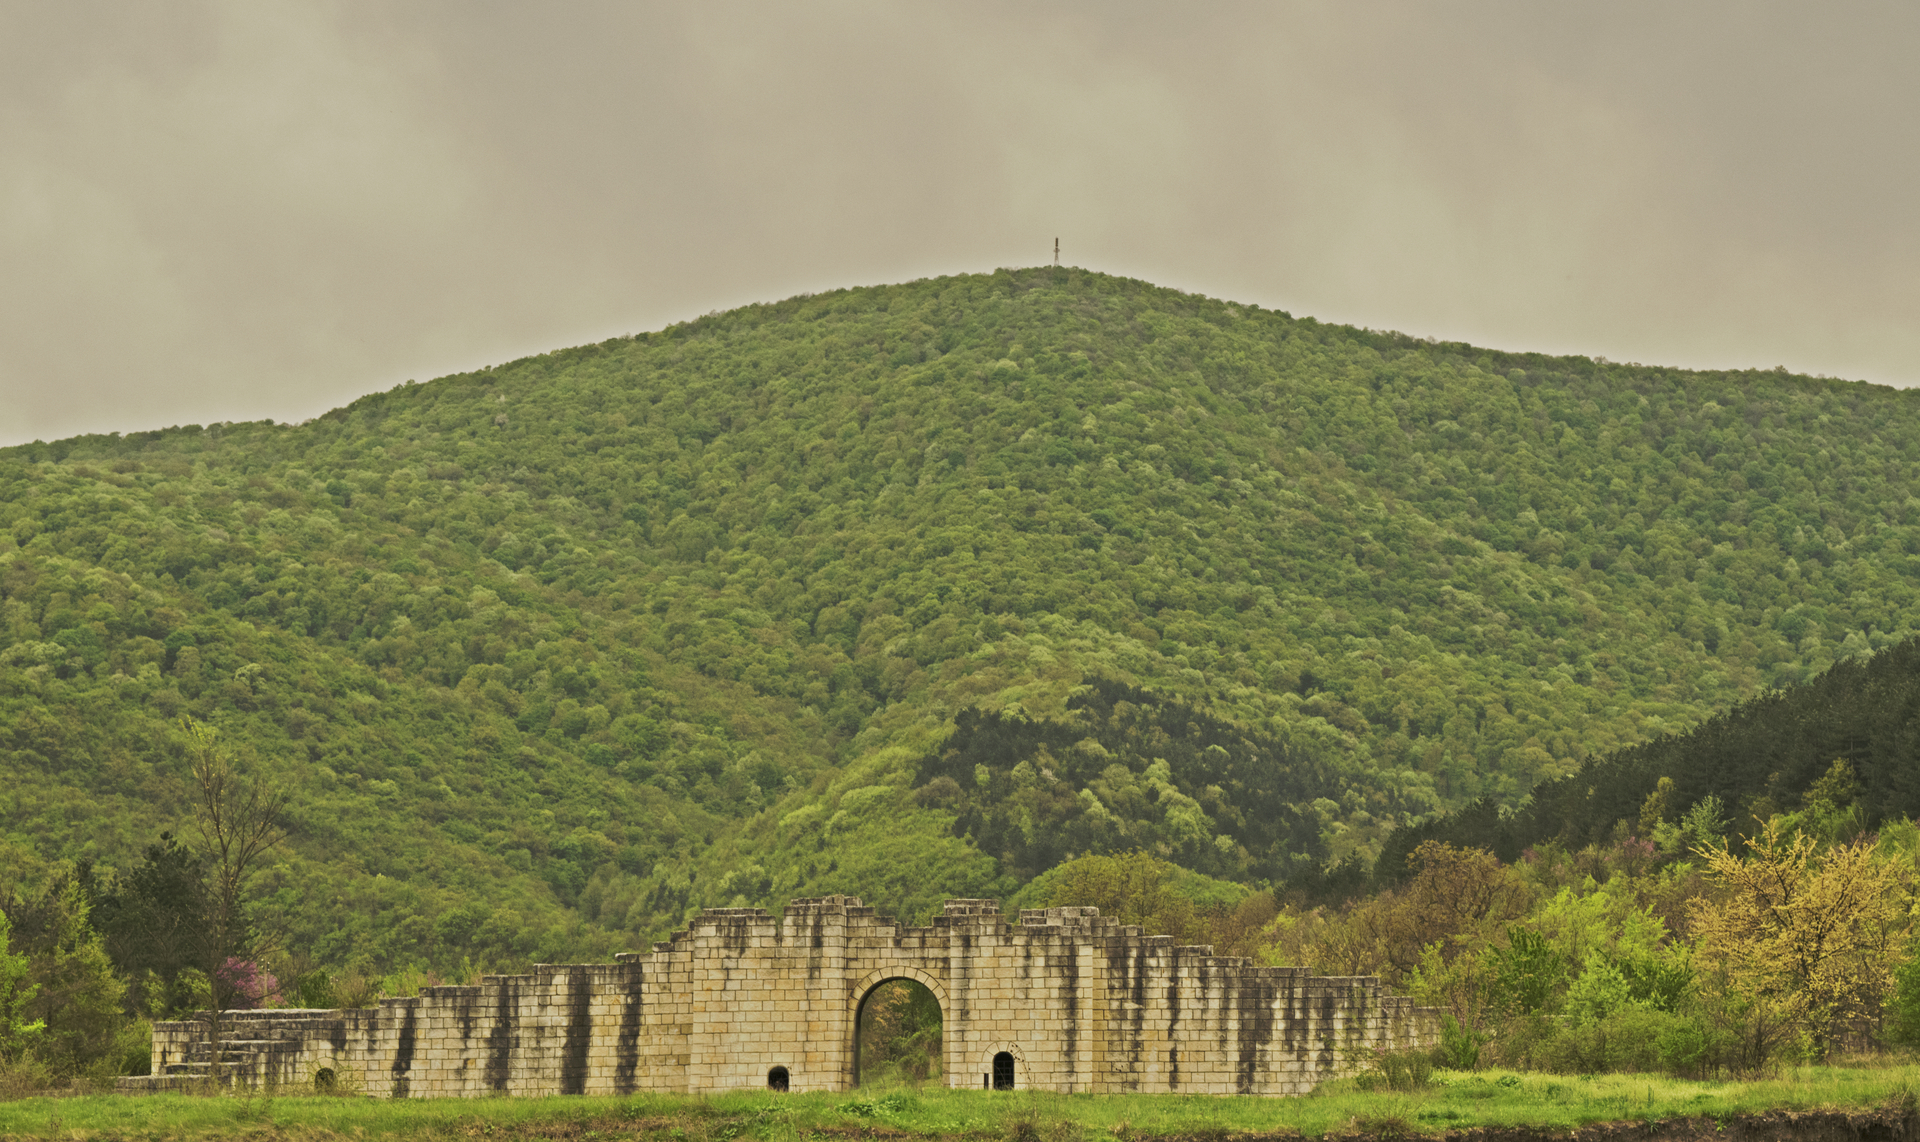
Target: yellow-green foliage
(1775,948)
(551,653)
(1805,939)
(18,1029)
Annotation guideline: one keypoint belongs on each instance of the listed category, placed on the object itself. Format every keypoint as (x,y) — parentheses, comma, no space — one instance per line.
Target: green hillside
(1763,757)
(913,591)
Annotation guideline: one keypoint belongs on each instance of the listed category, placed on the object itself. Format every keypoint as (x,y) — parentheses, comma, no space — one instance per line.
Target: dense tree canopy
(1762,757)
(547,654)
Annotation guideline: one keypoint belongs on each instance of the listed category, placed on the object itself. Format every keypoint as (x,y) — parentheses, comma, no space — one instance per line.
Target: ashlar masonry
(1064,1001)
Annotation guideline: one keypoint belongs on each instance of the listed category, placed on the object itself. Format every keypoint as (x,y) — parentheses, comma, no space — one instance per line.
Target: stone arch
(988,1050)
(984,1055)
(857,998)
(857,994)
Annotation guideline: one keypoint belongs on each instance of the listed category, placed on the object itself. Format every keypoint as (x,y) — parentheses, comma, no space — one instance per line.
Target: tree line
(90,961)
(1689,950)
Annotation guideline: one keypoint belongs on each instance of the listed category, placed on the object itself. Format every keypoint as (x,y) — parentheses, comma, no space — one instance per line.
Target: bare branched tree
(239,818)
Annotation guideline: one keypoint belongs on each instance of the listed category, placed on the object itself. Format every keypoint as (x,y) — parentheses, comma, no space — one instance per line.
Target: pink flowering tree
(249,985)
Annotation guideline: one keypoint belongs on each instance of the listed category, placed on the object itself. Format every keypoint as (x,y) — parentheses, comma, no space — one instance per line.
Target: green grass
(1487,1098)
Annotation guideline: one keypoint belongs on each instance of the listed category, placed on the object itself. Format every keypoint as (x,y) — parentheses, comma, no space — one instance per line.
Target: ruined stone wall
(559,1030)
(1081,1003)
(1160,1017)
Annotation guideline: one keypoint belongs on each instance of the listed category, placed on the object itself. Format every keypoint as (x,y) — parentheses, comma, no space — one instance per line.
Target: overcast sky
(230,211)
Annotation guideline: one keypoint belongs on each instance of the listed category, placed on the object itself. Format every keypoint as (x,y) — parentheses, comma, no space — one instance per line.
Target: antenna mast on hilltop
(1056,251)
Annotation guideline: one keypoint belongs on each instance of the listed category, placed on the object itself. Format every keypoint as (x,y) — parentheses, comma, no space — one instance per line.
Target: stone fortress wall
(1074,1002)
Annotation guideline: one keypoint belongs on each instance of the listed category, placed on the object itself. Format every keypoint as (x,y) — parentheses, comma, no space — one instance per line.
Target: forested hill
(908,592)
(1760,758)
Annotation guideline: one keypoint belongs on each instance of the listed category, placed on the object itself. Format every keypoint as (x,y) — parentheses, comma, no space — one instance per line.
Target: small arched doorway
(1003,1070)
(898,1035)
(777,1080)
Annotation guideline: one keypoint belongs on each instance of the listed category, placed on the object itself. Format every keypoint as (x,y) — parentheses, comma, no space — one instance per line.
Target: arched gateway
(1063,1001)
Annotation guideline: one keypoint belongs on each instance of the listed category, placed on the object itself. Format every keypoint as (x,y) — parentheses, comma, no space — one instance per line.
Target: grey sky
(227,211)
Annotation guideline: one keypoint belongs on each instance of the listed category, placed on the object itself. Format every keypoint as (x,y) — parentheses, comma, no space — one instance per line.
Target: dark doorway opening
(777,1079)
(1003,1071)
(897,1037)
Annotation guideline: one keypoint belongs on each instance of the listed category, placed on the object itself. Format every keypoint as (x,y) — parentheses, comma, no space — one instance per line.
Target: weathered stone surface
(1081,1004)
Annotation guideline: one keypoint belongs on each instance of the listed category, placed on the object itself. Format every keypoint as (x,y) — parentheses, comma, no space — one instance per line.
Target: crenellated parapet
(1064,1000)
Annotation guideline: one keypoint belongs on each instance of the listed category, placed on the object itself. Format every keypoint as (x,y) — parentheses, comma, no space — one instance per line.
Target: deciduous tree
(1802,939)
(239,818)
(17,990)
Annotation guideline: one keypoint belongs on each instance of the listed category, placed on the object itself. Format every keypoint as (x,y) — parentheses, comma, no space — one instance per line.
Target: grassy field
(1487,1098)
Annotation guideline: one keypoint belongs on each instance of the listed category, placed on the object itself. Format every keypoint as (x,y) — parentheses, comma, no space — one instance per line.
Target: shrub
(1626,1040)
(1902,1016)
(1528,972)
(23,1076)
(133,1049)
(1689,1047)
(1398,1070)
(1459,1046)
(1407,1070)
